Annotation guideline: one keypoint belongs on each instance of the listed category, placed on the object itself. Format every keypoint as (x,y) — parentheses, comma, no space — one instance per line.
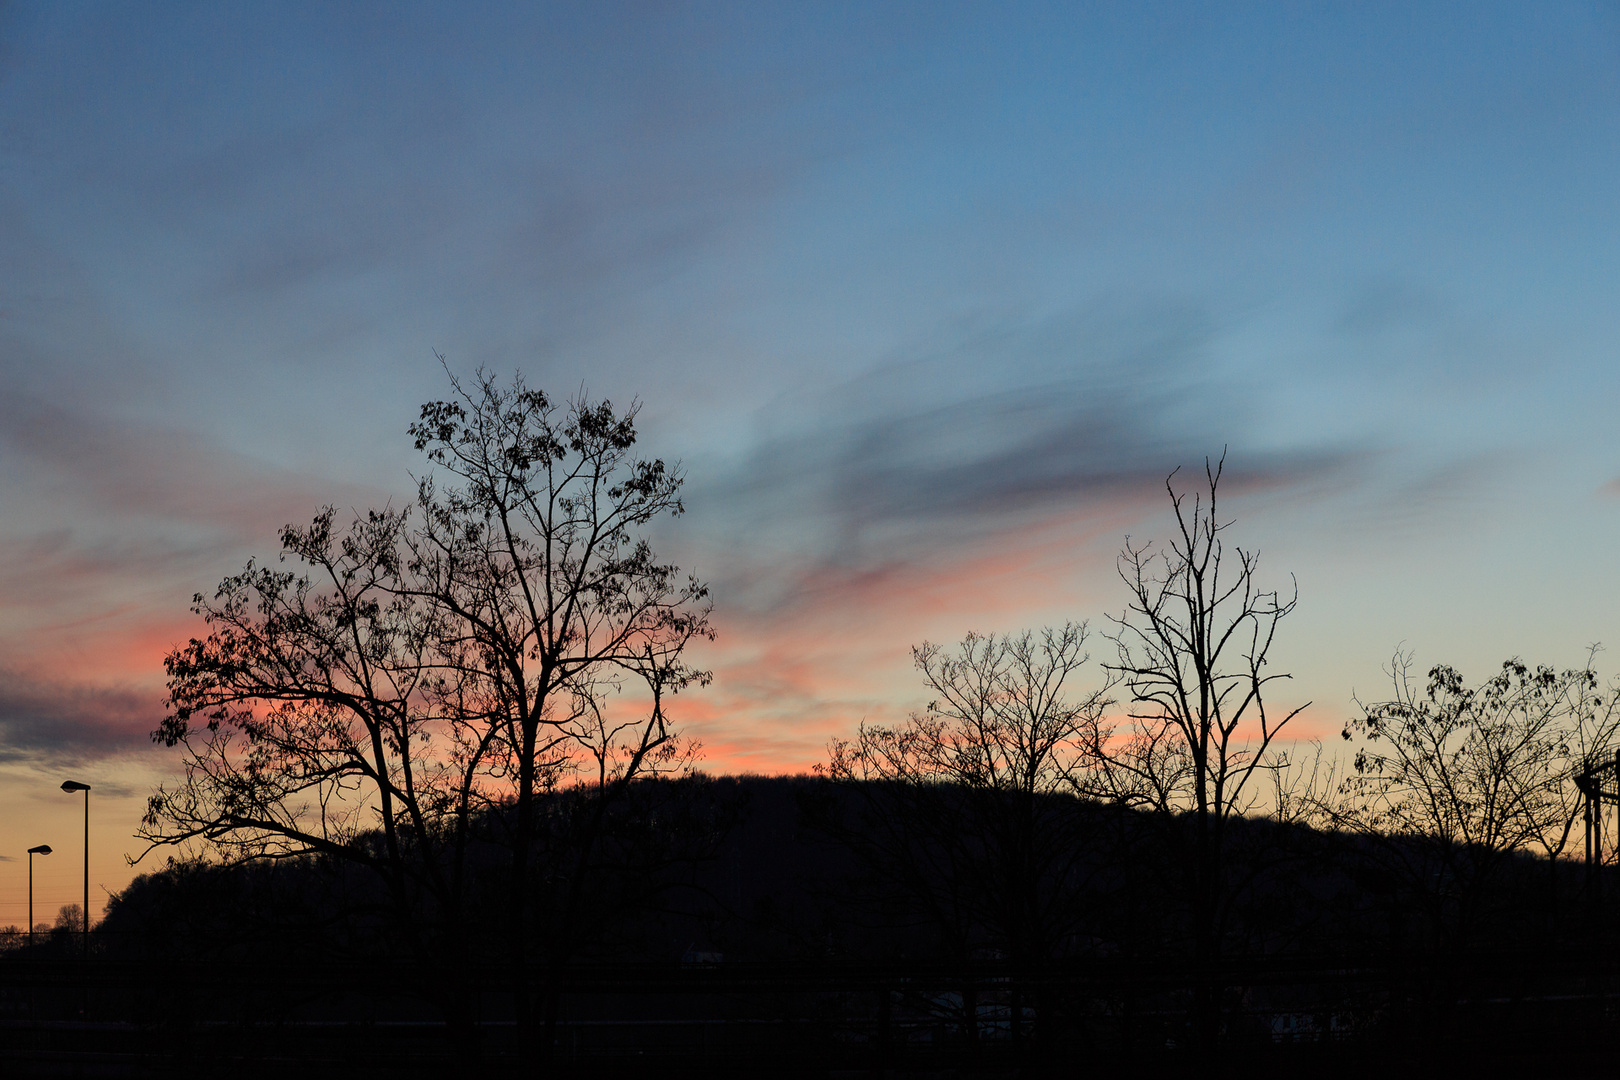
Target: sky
(927,299)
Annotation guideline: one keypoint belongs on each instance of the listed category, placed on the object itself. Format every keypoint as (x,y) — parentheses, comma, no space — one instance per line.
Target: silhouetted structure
(1599,782)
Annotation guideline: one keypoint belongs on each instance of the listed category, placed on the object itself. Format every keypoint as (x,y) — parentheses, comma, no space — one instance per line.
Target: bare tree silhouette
(1191,654)
(1453,780)
(968,804)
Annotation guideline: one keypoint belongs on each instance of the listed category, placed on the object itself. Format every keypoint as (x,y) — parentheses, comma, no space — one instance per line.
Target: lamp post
(43,849)
(70,786)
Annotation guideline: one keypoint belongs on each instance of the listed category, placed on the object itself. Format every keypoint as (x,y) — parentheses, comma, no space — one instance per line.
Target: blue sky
(928,298)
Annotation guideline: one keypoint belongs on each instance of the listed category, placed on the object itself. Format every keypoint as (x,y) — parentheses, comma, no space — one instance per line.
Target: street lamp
(70,786)
(43,849)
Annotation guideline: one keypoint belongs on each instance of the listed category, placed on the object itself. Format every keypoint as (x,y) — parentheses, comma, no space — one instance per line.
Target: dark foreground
(1480,1015)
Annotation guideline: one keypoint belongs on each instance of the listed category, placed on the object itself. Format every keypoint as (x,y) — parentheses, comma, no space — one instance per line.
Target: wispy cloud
(58,722)
(1082,417)
(970,486)
(170,476)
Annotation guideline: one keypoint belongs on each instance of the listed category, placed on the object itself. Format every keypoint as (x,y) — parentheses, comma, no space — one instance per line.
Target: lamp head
(43,849)
(74,785)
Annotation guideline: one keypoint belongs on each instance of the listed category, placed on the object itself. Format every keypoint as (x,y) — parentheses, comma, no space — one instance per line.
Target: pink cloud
(833,649)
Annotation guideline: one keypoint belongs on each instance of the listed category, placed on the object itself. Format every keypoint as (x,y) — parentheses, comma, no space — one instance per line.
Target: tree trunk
(522,993)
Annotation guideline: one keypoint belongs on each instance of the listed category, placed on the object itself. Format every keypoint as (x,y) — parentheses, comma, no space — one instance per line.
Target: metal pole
(1597,842)
(87,873)
(38,849)
(1586,816)
(70,786)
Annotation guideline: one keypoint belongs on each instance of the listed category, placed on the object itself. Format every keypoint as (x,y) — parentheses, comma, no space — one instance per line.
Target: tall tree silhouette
(1191,653)
(442,669)
(535,559)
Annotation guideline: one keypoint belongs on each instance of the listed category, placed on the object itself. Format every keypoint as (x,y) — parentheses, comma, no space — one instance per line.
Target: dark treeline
(857,878)
(760,869)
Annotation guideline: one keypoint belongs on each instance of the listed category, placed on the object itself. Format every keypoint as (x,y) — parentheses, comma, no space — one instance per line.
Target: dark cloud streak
(59,723)
(1002,431)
